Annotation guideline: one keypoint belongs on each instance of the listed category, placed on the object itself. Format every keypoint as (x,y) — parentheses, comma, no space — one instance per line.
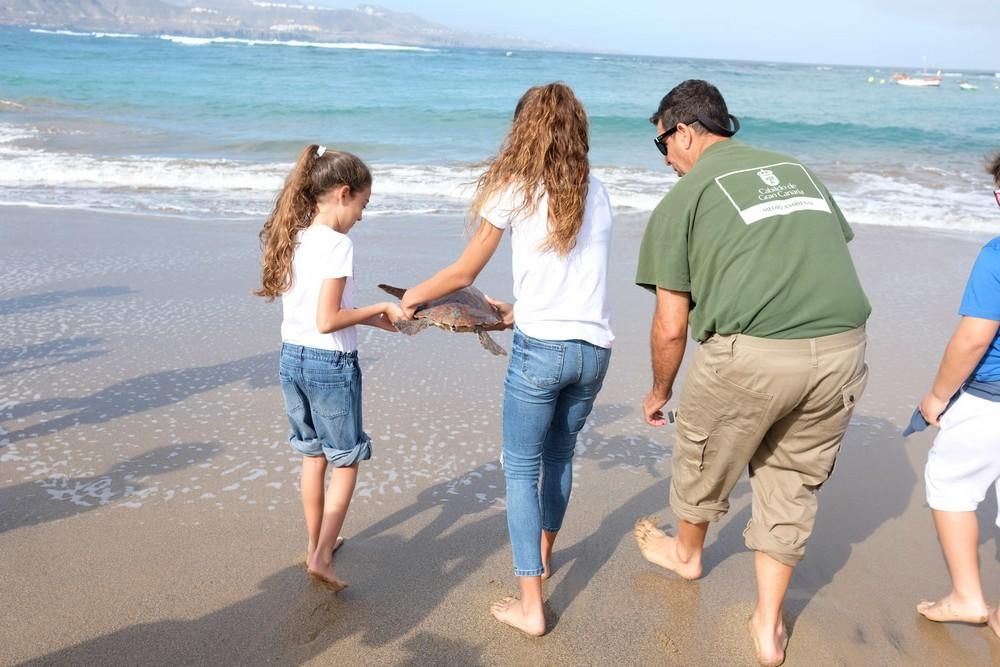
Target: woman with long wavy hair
(540,186)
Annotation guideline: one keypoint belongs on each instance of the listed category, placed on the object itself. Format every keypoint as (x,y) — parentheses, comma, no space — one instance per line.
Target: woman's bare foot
(769,645)
(951,610)
(548,542)
(510,611)
(661,549)
(994,621)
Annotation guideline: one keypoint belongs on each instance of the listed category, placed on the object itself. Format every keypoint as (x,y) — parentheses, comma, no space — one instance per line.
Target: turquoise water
(190,127)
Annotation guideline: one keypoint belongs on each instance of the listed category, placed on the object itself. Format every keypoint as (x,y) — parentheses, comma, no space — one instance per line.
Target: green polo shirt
(760,245)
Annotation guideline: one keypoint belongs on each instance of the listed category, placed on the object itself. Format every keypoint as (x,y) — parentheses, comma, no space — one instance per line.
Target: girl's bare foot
(951,610)
(321,569)
(510,611)
(661,549)
(325,576)
(336,545)
(770,645)
(329,580)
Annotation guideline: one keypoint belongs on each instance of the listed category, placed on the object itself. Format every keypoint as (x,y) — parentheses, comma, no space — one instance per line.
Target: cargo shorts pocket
(710,402)
(853,390)
(691,445)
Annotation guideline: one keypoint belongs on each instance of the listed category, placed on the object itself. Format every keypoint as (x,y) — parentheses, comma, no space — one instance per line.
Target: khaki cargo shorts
(779,407)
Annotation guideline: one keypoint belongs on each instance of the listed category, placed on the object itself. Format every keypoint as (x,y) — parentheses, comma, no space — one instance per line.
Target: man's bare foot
(510,611)
(769,646)
(994,621)
(661,549)
(950,610)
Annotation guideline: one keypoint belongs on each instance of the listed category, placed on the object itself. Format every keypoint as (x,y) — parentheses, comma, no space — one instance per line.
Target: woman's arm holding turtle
(461,273)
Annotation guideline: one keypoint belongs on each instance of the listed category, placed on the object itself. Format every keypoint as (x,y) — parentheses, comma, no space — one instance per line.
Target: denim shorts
(322,391)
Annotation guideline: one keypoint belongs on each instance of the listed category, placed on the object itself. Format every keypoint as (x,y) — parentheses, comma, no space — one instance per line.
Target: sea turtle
(464,310)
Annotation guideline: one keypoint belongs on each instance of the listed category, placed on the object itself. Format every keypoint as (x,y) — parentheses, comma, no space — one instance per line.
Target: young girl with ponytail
(308,262)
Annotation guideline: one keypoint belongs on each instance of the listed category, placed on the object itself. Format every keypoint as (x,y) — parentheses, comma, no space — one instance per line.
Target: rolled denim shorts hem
(345,458)
(311,447)
(529,573)
(339,458)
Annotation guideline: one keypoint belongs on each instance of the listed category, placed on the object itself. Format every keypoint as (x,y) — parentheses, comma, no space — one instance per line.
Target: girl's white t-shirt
(558,297)
(320,253)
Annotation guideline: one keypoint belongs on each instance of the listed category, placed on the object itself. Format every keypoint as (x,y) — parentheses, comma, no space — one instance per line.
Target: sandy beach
(149,509)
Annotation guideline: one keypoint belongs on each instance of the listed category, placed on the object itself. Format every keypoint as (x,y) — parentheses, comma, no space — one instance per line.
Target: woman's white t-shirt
(558,297)
(320,253)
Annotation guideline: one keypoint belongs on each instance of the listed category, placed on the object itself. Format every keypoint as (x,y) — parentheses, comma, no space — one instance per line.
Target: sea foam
(905,195)
(364,46)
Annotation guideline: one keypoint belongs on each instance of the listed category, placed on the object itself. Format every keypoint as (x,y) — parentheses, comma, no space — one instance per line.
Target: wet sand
(149,510)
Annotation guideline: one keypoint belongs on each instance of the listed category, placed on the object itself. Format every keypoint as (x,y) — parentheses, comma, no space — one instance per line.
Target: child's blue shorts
(322,390)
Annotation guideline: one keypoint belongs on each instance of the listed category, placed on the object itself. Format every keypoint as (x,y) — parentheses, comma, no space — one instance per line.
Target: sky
(950,35)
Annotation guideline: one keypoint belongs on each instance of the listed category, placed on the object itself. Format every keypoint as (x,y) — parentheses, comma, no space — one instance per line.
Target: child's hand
(504,310)
(383,322)
(393,313)
(931,408)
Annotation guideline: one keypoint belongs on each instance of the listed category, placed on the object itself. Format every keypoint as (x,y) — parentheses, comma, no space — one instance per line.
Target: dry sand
(149,510)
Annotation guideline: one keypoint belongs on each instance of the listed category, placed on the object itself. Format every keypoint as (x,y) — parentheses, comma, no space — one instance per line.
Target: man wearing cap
(749,250)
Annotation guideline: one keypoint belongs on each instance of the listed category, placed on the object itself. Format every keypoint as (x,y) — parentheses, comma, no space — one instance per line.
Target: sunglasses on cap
(707,123)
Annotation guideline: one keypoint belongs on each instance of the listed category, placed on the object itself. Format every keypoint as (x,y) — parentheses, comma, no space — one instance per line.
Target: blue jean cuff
(311,447)
(345,458)
(528,573)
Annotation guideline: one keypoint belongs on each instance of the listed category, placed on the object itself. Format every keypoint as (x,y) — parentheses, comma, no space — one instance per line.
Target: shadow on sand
(146,392)
(44,500)
(280,625)
(27,358)
(49,300)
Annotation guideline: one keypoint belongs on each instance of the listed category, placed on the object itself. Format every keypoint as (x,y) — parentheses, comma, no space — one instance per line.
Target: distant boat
(921,81)
(965,85)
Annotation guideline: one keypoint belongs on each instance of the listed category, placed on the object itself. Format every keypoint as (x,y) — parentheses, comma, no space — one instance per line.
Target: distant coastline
(248,21)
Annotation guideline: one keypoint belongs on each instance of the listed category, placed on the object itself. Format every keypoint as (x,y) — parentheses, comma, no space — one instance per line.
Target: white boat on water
(920,81)
(965,85)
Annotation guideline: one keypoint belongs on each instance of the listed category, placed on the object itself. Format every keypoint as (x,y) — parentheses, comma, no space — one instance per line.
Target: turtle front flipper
(491,345)
(397,292)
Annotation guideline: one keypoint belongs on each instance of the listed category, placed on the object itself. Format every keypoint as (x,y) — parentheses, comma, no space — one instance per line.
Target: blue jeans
(548,393)
(322,391)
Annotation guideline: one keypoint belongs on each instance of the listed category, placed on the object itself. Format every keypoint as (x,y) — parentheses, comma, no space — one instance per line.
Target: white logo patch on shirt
(772,190)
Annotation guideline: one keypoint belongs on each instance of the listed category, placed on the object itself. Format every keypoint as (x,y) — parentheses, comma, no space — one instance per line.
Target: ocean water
(186,127)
